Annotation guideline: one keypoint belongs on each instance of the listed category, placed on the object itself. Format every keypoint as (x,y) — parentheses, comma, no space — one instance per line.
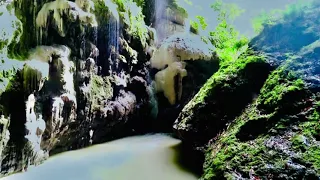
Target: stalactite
(60,8)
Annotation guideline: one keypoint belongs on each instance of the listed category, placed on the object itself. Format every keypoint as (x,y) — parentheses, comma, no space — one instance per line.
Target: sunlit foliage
(225,38)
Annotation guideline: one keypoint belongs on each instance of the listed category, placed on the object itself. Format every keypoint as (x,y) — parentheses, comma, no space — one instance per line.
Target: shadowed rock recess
(83,72)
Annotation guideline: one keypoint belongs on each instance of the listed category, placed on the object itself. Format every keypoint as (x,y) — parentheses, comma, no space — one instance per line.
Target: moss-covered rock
(26,35)
(277,136)
(222,98)
(272,138)
(101,90)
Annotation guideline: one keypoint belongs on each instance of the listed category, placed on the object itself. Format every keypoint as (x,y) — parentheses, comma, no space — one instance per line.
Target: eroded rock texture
(90,71)
(91,59)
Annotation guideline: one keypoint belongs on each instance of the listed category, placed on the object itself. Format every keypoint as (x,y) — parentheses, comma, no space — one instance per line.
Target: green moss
(311,128)
(101,90)
(227,71)
(249,133)
(229,154)
(298,142)
(312,155)
(279,84)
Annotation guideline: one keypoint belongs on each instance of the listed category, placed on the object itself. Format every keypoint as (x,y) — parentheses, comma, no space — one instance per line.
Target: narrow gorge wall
(87,94)
(85,72)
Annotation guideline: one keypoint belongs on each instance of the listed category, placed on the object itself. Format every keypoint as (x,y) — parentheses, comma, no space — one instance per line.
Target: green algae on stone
(279,84)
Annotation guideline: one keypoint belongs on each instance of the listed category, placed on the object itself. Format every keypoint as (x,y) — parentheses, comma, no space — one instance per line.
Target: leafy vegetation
(132,15)
(199,23)
(229,45)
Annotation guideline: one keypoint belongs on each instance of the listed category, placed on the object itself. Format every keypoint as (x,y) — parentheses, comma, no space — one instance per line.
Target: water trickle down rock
(168,19)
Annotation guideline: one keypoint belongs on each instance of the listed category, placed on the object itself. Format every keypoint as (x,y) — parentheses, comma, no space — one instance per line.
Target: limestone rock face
(165,81)
(181,64)
(171,57)
(62,9)
(180,47)
(76,88)
(168,19)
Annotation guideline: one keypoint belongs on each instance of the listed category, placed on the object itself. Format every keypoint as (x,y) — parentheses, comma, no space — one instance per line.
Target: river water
(147,157)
